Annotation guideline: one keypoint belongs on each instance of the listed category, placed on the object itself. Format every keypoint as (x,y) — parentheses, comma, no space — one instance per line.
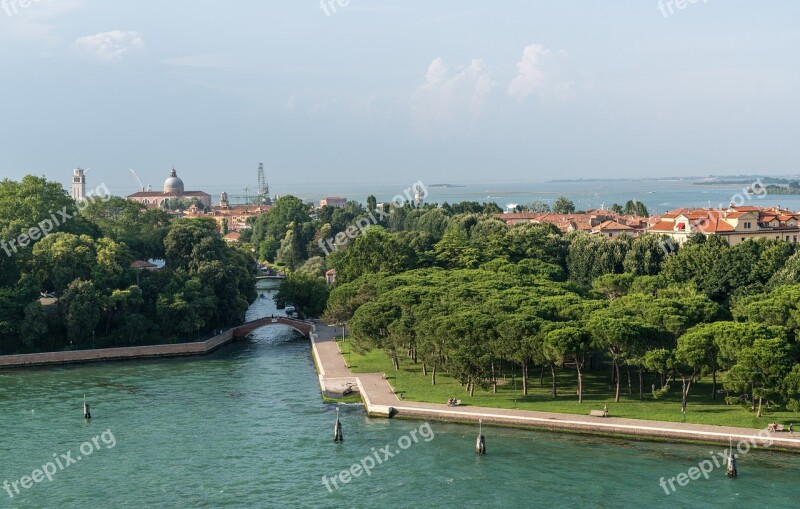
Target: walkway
(380,400)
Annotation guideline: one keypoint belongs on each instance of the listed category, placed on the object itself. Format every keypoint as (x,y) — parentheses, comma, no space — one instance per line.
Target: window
(795,239)
(747,225)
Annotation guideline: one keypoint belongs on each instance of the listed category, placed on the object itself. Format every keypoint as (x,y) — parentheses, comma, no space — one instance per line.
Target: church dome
(173,185)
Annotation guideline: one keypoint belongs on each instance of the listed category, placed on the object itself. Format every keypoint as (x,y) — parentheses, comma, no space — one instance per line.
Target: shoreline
(380,401)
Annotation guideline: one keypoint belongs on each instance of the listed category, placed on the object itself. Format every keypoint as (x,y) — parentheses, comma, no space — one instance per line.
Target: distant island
(742,179)
(792,188)
(443,186)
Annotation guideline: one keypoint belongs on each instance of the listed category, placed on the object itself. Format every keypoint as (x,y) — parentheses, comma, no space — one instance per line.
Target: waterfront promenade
(380,400)
(151,351)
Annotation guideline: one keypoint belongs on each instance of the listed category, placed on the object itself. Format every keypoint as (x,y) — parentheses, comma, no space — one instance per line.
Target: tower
(78,184)
(419,195)
(263,187)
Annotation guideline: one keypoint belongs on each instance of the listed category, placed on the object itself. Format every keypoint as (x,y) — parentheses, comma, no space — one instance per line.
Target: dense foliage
(100,299)
(462,292)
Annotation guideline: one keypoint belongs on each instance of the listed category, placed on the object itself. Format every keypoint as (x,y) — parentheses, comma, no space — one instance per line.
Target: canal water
(246,427)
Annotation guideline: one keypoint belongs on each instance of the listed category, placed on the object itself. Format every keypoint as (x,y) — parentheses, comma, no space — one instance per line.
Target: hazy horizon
(386,92)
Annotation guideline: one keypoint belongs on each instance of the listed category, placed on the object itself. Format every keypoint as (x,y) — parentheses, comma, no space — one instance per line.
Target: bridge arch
(304,328)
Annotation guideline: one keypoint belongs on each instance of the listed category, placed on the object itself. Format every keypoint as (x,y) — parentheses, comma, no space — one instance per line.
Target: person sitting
(772,427)
(450,402)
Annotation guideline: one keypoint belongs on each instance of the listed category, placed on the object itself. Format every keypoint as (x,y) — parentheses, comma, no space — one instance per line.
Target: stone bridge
(304,328)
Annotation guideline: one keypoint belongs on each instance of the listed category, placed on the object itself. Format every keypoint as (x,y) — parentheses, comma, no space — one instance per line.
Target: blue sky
(394,91)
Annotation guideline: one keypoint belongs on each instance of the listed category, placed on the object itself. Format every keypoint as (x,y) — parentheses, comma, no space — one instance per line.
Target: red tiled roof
(141,264)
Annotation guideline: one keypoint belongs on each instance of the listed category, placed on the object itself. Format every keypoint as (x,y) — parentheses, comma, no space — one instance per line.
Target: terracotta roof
(141,264)
(612,226)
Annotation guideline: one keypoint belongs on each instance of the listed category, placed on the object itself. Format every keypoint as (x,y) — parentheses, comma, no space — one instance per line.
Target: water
(246,427)
(657,195)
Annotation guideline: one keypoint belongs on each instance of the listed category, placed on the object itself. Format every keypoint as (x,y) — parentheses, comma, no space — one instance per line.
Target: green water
(246,427)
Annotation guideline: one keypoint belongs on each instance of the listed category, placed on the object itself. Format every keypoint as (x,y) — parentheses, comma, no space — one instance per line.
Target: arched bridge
(304,328)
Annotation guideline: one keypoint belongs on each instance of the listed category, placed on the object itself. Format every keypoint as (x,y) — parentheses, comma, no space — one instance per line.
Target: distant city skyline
(384,92)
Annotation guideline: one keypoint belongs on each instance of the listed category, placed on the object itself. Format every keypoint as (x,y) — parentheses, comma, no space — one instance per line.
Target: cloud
(449,97)
(539,73)
(109,46)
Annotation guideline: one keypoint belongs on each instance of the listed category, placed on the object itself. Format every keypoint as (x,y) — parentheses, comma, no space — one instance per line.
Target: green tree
(563,206)
(308,293)
(81,305)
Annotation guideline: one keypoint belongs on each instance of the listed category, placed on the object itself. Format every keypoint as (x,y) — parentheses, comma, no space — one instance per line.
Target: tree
(568,344)
(62,258)
(81,306)
(761,369)
(695,352)
(33,330)
(374,251)
(618,335)
(563,206)
(308,293)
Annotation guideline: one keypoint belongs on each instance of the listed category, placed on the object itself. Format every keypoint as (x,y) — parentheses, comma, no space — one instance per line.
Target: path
(380,400)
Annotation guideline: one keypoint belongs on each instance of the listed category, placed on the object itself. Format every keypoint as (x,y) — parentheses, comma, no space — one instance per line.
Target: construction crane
(141,186)
(263,190)
(263,187)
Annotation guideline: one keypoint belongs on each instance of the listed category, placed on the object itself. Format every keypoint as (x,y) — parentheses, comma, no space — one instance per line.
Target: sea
(246,427)
(658,196)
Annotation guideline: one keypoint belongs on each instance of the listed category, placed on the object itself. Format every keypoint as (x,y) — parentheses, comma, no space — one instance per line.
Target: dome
(173,185)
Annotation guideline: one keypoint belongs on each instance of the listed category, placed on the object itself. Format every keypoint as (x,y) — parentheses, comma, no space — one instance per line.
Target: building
(173,189)
(734,224)
(233,217)
(333,201)
(613,229)
(594,222)
(78,187)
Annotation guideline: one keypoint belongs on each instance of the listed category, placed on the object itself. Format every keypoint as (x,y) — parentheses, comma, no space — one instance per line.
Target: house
(333,201)
(613,229)
(609,223)
(734,224)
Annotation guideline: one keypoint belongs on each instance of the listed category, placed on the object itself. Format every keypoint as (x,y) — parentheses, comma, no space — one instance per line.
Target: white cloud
(539,73)
(109,46)
(448,97)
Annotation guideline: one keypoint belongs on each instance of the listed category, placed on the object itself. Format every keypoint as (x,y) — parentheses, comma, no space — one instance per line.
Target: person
(605,410)
(790,428)
(449,401)
(772,426)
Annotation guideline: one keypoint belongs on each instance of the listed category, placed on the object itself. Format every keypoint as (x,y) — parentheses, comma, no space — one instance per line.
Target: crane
(141,186)
(263,187)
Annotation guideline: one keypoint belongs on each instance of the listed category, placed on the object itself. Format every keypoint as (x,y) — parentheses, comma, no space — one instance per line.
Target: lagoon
(247,427)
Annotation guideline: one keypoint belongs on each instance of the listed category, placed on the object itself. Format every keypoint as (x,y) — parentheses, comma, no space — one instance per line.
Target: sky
(381,91)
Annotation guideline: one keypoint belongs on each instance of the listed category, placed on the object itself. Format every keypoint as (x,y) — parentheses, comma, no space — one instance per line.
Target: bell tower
(78,184)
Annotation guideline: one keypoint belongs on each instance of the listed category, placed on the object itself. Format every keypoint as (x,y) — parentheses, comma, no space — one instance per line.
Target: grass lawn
(412,385)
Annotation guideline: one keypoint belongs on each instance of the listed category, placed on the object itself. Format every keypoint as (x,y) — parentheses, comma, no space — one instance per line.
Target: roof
(612,226)
(158,194)
(141,264)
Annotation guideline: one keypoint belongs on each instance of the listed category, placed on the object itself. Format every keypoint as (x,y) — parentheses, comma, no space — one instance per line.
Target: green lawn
(412,385)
